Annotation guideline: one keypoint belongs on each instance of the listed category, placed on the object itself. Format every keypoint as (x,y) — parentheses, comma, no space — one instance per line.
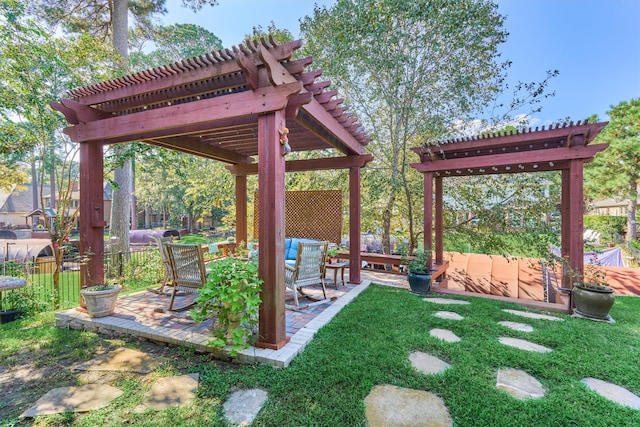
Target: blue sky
(595,44)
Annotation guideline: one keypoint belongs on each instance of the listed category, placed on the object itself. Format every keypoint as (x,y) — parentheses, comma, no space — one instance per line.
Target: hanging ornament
(284,141)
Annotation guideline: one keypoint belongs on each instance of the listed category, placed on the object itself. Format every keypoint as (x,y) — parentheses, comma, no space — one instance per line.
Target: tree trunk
(631,212)
(121,204)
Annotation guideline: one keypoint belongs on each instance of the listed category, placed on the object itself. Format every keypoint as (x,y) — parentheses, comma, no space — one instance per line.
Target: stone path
(388,405)
(170,391)
(77,399)
(241,408)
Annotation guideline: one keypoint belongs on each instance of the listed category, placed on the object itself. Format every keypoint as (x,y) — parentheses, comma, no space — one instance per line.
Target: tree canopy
(615,172)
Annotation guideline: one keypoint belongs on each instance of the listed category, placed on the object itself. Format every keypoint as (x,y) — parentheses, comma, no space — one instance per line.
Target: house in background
(16,204)
(17,210)
(609,207)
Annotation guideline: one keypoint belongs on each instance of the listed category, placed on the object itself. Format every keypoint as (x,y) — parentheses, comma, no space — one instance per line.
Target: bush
(231,297)
(608,226)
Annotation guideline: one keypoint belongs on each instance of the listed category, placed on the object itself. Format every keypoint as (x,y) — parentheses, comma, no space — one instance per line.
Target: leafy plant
(101,287)
(231,297)
(593,276)
(417,263)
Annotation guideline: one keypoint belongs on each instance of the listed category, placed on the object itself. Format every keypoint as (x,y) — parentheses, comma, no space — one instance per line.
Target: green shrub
(232,298)
(608,226)
(143,271)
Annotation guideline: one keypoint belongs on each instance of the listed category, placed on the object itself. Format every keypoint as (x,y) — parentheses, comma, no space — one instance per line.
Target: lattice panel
(309,214)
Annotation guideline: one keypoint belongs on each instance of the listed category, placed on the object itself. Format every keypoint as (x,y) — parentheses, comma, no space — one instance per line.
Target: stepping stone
(444,334)
(243,406)
(615,393)
(75,399)
(427,364)
(388,405)
(446,301)
(532,315)
(521,327)
(524,345)
(519,384)
(449,315)
(122,359)
(170,391)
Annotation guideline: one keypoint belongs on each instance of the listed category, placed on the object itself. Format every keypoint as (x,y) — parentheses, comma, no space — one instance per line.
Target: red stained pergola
(229,106)
(563,147)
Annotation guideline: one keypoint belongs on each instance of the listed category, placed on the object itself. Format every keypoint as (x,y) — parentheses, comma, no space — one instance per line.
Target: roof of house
(19,200)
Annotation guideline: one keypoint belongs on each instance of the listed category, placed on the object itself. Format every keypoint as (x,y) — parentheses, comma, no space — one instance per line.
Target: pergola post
(439,223)
(92,221)
(576,208)
(271,169)
(354,225)
(565,225)
(241,209)
(428,213)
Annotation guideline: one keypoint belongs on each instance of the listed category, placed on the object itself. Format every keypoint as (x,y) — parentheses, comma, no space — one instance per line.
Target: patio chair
(187,270)
(166,265)
(307,270)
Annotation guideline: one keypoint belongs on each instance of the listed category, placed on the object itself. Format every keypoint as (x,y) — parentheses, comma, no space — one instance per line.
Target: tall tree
(38,67)
(109,19)
(615,172)
(409,69)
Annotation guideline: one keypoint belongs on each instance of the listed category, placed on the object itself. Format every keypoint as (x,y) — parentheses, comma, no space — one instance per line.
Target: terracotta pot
(594,303)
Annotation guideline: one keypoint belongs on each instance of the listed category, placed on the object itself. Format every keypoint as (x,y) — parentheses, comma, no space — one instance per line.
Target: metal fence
(135,270)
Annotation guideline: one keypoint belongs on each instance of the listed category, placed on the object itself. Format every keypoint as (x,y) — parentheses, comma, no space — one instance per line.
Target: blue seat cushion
(291,247)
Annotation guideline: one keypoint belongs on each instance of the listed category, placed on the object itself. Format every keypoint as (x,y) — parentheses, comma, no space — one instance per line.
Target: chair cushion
(291,250)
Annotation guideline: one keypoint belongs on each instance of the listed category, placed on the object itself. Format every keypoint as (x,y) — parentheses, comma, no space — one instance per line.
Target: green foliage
(615,172)
(142,272)
(530,243)
(608,226)
(172,43)
(417,263)
(232,297)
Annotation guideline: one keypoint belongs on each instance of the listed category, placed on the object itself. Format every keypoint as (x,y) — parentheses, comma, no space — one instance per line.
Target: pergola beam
(176,74)
(511,159)
(328,163)
(193,146)
(135,126)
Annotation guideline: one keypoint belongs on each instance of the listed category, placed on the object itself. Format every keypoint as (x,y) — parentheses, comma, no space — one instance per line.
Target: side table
(336,266)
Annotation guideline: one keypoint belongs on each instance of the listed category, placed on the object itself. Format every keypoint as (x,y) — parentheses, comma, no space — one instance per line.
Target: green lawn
(366,344)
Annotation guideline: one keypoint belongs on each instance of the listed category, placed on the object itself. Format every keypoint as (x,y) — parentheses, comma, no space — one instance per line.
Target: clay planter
(420,283)
(100,300)
(594,303)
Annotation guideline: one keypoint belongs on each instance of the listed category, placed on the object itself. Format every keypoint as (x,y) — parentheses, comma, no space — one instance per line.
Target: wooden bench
(438,271)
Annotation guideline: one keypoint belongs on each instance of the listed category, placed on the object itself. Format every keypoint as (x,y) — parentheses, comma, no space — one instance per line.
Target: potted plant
(17,303)
(419,275)
(231,297)
(332,254)
(592,295)
(100,300)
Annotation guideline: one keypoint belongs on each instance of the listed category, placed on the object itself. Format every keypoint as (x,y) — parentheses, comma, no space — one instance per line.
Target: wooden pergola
(562,148)
(230,106)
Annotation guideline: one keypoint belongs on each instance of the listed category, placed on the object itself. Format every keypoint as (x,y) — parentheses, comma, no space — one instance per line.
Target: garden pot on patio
(593,302)
(100,300)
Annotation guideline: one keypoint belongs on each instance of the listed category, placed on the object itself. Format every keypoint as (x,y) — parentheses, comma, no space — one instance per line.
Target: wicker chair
(167,279)
(187,270)
(308,268)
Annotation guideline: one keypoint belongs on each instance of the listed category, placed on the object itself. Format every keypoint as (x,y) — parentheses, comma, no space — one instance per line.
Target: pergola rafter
(229,105)
(562,148)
